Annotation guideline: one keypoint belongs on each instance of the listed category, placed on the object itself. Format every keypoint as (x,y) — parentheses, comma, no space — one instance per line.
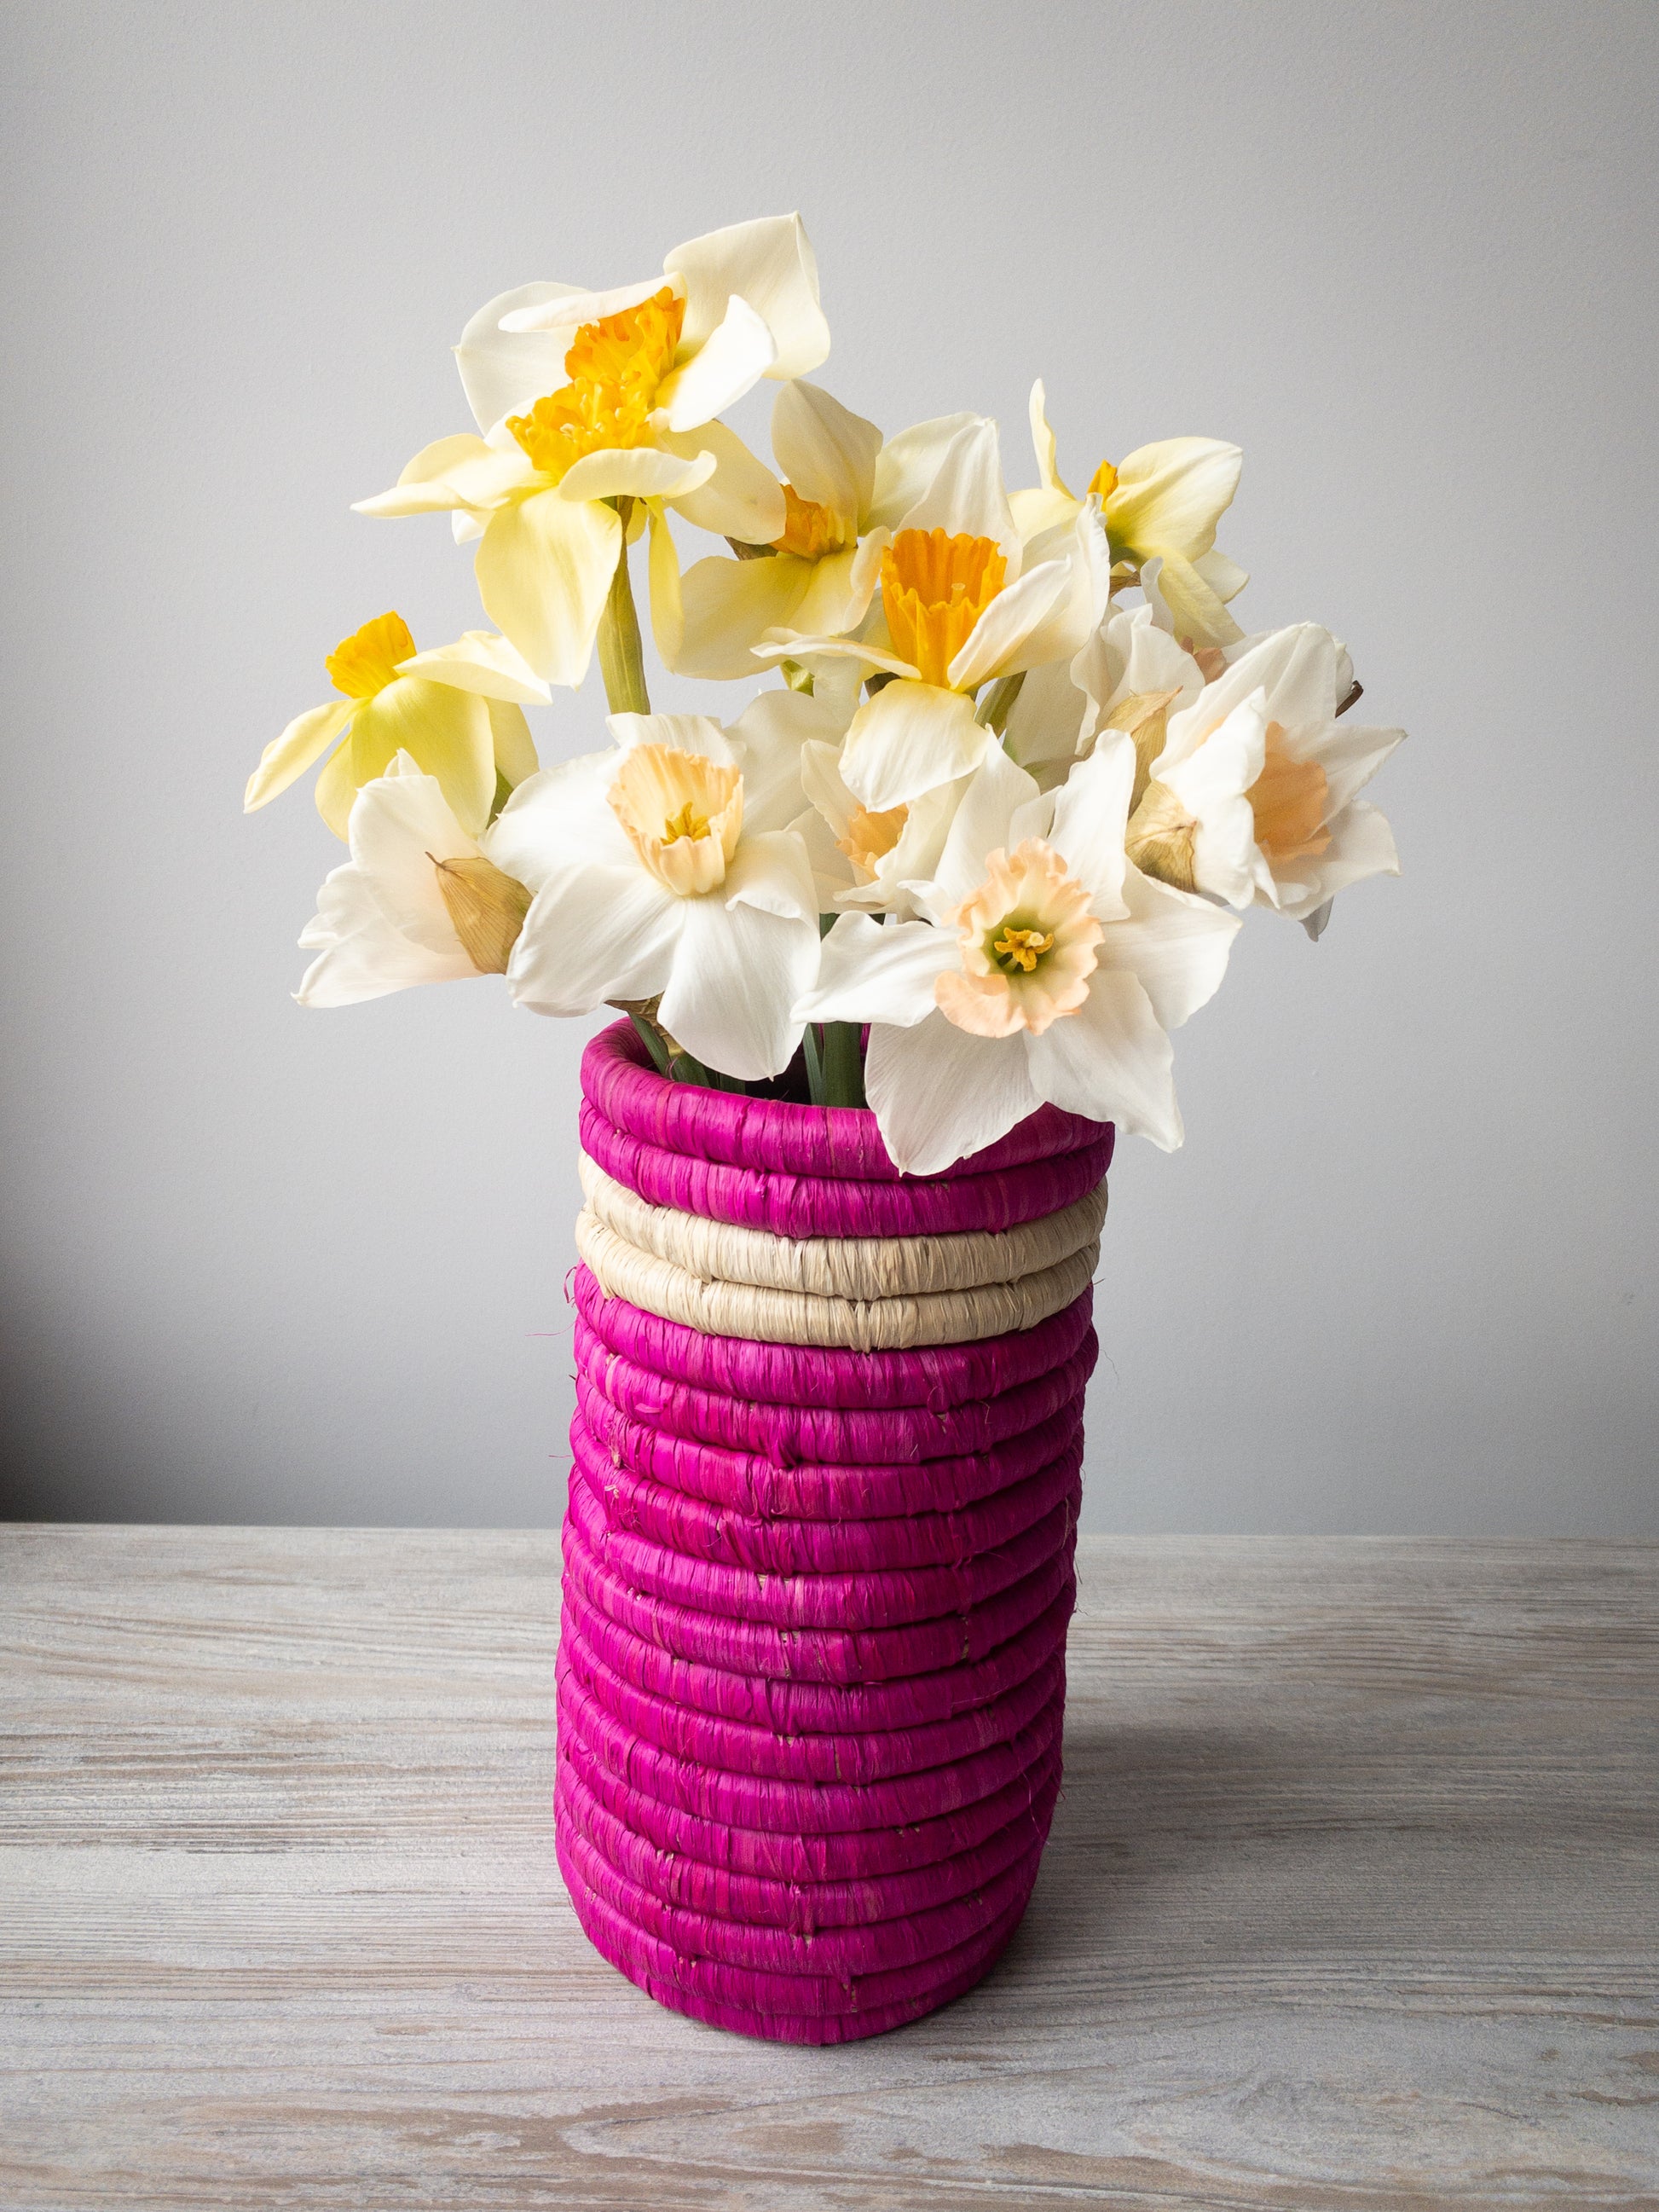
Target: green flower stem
(622,655)
(653,1043)
(843,1069)
(809,1041)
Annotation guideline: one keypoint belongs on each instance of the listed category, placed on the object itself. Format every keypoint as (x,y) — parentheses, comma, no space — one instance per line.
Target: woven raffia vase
(819,1553)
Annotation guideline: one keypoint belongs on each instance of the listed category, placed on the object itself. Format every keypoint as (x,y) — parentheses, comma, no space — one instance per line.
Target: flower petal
(907,464)
(909,738)
(743,499)
(595,931)
(773,734)
(305,740)
(446,732)
(768,263)
(1362,845)
(480,661)
(1042,439)
(510,739)
(1350,754)
(966,498)
(939,1094)
(1211,784)
(738,970)
(400,825)
(1111,1061)
(826,452)
(684,733)
(1170,496)
(1091,808)
(506,372)
(770,872)
(567,307)
(462,472)
(727,607)
(360,955)
(869,971)
(982,823)
(1173,942)
(636,472)
(561,819)
(732,360)
(1194,611)
(993,646)
(544,568)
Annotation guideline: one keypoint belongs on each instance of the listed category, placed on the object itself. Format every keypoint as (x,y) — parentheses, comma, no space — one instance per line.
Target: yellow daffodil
(841,482)
(964,602)
(1161,506)
(456,710)
(588,399)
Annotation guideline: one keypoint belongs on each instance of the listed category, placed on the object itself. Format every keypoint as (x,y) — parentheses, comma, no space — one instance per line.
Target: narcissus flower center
(935,588)
(615,367)
(1028,942)
(367,662)
(682,814)
(809,529)
(871,837)
(1103,482)
(1021,949)
(1289,800)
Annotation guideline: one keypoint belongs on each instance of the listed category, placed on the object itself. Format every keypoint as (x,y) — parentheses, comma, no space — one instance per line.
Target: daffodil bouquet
(983,835)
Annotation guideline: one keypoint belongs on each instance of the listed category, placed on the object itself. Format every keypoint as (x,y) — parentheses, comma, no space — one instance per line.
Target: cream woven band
(774,1316)
(861,1267)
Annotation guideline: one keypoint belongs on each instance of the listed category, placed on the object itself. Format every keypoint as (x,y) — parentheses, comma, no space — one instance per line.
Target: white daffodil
(1161,505)
(963,603)
(585,398)
(867,860)
(1052,970)
(419,902)
(456,710)
(1253,797)
(663,870)
(840,483)
(1130,676)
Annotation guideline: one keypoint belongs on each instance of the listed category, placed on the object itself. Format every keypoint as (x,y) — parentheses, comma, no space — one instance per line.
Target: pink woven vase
(812,1672)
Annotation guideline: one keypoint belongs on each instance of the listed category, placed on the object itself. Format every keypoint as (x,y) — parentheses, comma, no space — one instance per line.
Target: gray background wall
(268,1265)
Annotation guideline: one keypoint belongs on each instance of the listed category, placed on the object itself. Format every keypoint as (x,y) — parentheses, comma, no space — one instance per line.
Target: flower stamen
(1023,948)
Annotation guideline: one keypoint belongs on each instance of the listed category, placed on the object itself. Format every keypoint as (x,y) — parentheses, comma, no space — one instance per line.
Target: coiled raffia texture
(826,1466)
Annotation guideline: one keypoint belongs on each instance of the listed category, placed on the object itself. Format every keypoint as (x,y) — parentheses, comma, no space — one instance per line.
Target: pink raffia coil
(826,1462)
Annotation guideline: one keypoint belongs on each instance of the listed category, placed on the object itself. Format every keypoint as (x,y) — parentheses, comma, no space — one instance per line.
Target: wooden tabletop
(1352,1899)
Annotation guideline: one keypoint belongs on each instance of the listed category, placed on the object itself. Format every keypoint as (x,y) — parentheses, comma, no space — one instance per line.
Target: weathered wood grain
(1352,1900)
